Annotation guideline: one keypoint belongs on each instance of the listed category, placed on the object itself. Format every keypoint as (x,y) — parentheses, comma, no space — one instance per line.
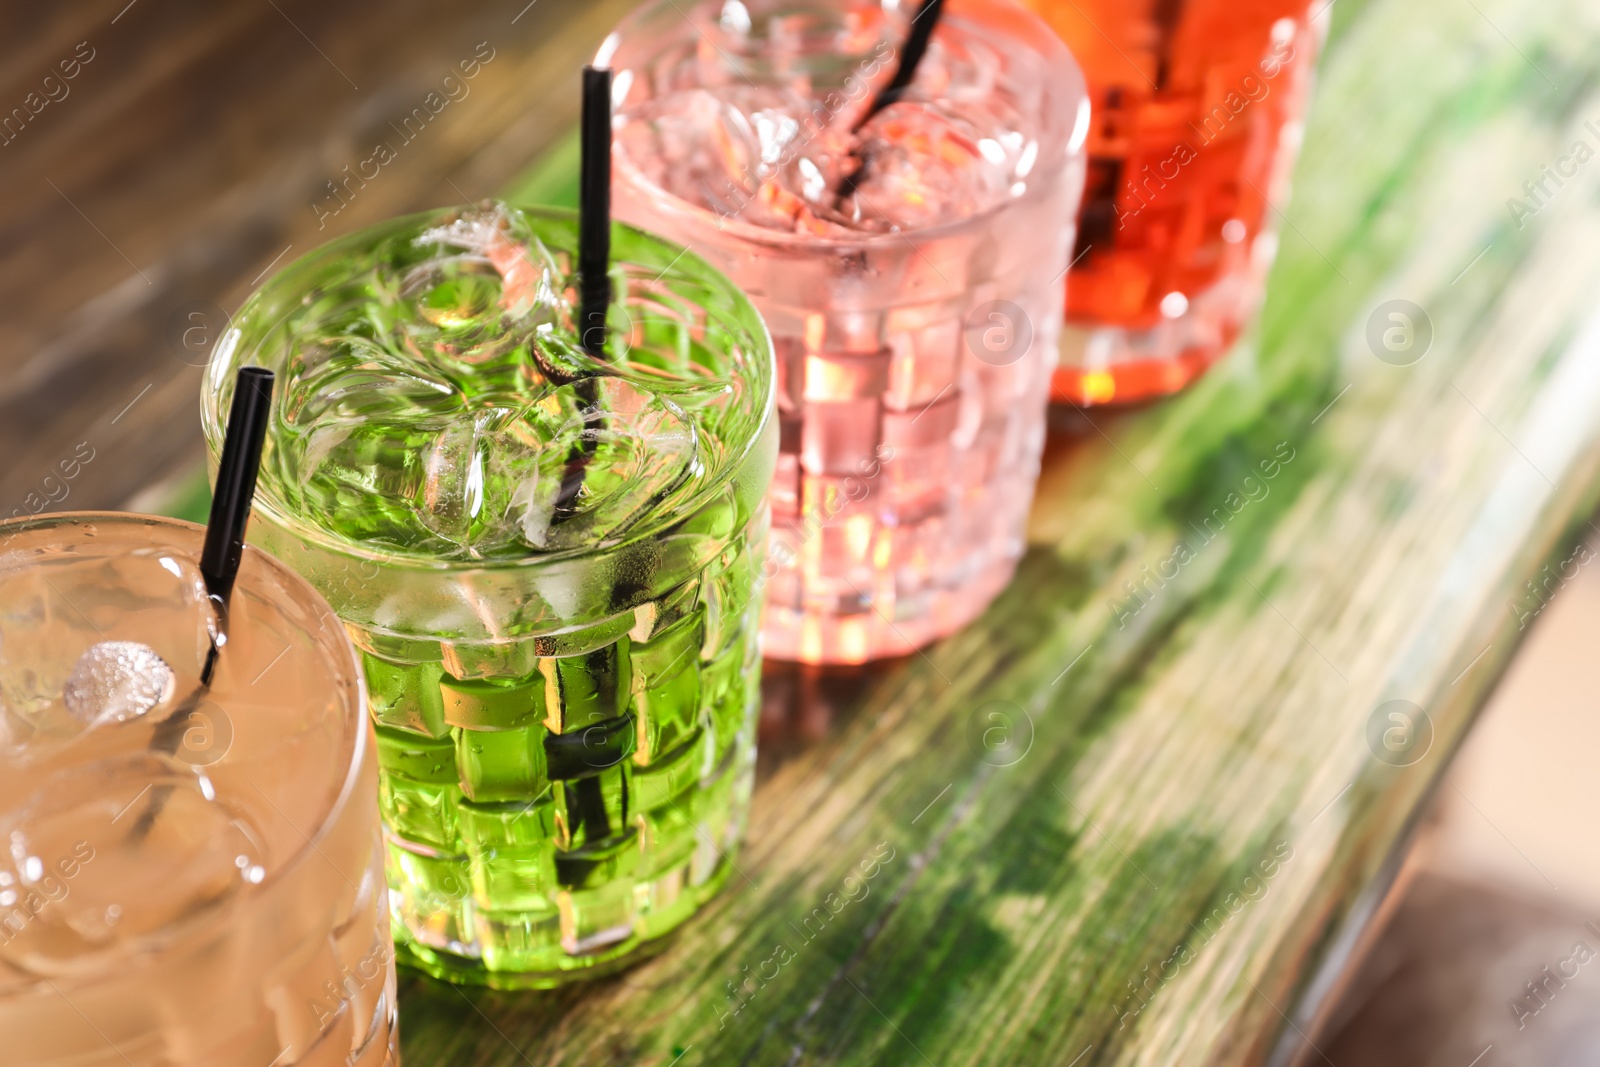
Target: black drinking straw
(594,272)
(594,211)
(916,46)
(923,24)
(236,481)
(222,551)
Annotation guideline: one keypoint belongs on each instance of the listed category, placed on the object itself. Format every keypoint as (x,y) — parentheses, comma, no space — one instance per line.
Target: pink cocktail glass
(908,264)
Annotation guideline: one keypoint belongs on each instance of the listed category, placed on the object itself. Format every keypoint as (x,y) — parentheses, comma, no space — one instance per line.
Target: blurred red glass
(1196,124)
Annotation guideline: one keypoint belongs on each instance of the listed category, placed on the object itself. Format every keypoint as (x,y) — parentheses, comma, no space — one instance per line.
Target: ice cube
(718,149)
(488,482)
(115,681)
(618,456)
(477,308)
(106,855)
(449,495)
(435,402)
(923,166)
(696,147)
(86,629)
(357,476)
(778,152)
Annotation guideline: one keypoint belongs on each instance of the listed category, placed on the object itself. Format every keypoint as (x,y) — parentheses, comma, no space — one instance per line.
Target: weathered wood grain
(1036,879)
(187,154)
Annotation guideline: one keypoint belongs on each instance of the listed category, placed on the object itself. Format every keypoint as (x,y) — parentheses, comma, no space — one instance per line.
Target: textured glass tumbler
(913,364)
(194,877)
(1197,122)
(566,738)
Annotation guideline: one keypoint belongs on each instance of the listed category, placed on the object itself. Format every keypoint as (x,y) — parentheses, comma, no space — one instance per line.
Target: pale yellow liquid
(221,904)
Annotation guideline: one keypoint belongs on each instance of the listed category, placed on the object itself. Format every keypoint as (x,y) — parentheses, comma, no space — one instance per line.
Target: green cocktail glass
(551,564)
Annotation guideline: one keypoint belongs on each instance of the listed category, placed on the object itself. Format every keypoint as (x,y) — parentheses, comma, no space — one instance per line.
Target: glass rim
(350,774)
(1062,62)
(326,540)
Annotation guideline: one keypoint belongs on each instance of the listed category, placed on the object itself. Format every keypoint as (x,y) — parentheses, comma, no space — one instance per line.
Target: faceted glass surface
(908,264)
(549,563)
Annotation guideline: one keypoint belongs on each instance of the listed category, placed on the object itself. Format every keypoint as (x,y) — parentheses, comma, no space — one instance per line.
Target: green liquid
(566,750)
(553,821)
(436,399)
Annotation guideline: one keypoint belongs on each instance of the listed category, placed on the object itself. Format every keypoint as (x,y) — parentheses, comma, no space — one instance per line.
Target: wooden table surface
(1095,827)
(189,154)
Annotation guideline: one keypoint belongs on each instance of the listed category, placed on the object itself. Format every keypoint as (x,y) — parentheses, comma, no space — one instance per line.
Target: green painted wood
(1080,833)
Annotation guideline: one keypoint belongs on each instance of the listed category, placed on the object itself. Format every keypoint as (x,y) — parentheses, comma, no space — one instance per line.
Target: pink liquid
(915,322)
